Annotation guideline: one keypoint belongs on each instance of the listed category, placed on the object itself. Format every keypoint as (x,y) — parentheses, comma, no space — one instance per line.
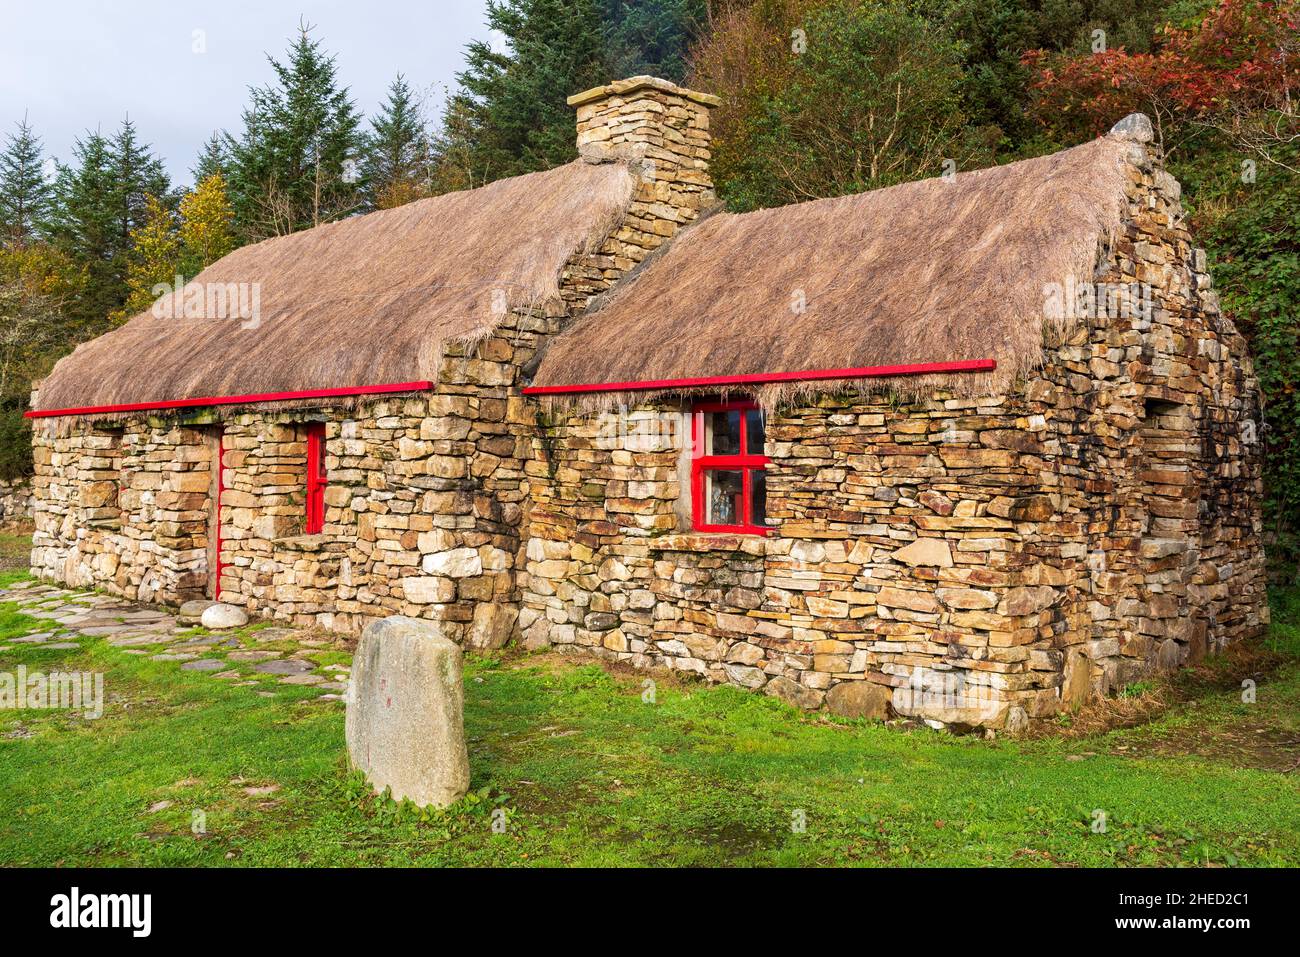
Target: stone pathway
(258,653)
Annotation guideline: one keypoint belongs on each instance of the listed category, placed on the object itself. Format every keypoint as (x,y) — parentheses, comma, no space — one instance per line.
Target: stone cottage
(969,449)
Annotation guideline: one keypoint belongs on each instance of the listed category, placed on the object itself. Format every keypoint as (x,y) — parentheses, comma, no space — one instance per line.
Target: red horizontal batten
(234,399)
(762,378)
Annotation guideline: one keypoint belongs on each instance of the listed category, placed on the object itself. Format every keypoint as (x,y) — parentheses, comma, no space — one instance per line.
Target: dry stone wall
(1157,416)
(124,508)
(981,561)
(970,561)
(426,493)
(16,501)
(896,560)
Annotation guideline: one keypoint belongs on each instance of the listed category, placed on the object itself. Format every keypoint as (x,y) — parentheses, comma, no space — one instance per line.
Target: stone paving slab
(263,635)
(285,666)
(143,630)
(132,641)
(204,664)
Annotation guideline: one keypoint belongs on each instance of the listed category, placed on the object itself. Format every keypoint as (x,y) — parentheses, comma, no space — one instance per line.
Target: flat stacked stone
(987,560)
(426,494)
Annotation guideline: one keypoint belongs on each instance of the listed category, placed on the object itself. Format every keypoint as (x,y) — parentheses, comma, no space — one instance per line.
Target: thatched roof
(930,271)
(365,301)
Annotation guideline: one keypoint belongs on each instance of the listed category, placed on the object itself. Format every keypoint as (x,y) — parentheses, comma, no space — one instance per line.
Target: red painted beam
(764,378)
(234,399)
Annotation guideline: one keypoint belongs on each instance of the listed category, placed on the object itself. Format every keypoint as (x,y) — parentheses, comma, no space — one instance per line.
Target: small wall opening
(1156,408)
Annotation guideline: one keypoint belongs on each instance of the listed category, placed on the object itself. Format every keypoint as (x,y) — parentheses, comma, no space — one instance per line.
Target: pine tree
(206,228)
(138,177)
(99,201)
(24,193)
(511,105)
(651,36)
(397,151)
(82,225)
(296,163)
(213,159)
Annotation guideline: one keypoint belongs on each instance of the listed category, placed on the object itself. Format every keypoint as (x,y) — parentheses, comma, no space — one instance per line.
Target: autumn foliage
(1237,71)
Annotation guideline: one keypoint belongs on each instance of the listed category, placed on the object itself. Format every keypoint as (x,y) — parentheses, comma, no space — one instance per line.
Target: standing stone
(405,727)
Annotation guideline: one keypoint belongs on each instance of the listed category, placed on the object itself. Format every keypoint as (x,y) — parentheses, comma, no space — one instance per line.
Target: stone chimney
(657,125)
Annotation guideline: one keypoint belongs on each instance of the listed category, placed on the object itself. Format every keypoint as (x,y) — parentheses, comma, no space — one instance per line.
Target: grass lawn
(15,548)
(583,771)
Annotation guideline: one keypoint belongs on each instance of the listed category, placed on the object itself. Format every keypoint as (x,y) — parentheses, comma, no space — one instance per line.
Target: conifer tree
(213,159)
(297,161)
(397,151)
(24,193)
(651,36)
(99,200)
(82,224)
(511,106)
(137,175)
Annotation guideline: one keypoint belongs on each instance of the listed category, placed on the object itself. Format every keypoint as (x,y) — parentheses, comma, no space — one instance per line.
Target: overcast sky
(72,65)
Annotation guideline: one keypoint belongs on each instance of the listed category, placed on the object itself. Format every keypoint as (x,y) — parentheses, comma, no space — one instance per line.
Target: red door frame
(745,463)
(315,477)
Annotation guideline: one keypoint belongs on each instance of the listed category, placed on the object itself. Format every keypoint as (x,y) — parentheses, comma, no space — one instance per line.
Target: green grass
(584,772)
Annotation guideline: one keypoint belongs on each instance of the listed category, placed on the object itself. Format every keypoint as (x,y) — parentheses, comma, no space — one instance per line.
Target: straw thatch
(928,271)
(365,301)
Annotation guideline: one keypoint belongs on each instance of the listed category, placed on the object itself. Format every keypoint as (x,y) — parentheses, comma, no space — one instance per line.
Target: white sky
(73,65)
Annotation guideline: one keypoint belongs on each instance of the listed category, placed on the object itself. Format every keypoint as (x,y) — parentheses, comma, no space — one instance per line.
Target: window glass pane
(754,435)
(723,495)
(724,433)
(758,488)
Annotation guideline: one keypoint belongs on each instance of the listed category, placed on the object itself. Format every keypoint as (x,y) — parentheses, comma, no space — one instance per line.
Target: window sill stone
(303,543)
(710,542)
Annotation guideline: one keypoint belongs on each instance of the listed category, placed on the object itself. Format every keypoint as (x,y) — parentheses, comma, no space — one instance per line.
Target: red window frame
(316,480)
(744,462)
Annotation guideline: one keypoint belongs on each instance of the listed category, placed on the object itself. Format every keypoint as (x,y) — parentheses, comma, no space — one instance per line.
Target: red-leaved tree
(1238,72)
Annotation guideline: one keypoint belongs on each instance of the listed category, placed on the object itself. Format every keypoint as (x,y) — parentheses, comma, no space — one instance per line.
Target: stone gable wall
(1158,419)
(985,561)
